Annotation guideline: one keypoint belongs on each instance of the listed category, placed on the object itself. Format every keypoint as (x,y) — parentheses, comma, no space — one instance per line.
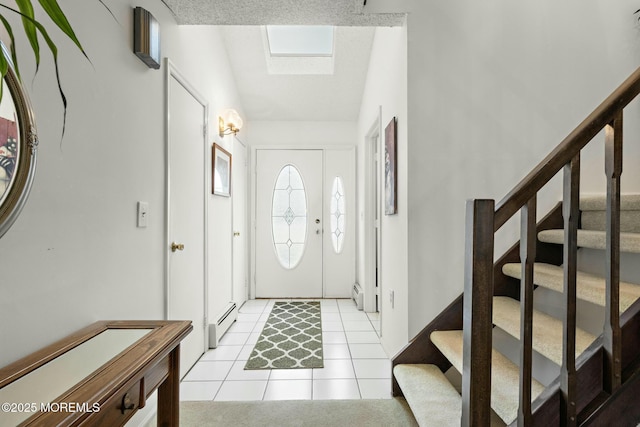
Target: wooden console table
(100,375)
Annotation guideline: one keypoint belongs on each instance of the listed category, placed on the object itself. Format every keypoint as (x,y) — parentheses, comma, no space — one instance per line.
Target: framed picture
(390,169)
(220,171)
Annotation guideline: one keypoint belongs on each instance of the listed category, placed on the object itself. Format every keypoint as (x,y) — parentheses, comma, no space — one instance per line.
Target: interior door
(240,257)
(289,224)
(186,215)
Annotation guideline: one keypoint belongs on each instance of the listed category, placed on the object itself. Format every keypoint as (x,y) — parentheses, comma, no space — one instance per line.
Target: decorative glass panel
(289,217)
(337,214)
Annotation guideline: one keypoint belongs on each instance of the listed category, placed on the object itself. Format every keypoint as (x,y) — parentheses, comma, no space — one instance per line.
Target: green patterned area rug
(291,338)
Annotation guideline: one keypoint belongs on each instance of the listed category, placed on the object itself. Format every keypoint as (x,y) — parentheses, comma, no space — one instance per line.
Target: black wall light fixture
(146,37)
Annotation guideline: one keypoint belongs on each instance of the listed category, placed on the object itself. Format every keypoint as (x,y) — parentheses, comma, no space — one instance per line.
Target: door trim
(172,72)
(246,225)
(253,194)
(371,175)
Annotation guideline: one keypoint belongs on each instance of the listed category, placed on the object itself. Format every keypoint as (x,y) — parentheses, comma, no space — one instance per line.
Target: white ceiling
(291,97)
(299,97)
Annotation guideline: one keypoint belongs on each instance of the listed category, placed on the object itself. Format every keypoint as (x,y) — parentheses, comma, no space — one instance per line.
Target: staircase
(499,356)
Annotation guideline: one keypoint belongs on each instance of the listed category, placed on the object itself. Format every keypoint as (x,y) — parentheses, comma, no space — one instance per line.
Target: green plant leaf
(28,19)
(4,67)
(14,56)
(31,28)
(107,7)
(58,17)
(54,51)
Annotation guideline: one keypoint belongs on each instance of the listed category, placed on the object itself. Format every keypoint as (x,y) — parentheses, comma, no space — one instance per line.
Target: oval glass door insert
(289,217)
(337,214)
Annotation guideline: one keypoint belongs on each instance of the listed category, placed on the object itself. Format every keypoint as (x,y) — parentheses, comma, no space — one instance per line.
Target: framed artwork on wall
(220,171)
(390,169)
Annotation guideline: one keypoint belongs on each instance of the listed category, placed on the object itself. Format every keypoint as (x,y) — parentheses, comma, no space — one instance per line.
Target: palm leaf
(31,28)
(28,17)
(4,68)
(107,7)
(14,56)
(58,17)
(54,51)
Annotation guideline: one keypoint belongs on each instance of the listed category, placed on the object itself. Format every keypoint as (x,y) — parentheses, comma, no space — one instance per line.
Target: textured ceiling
(279,12)
(285,97)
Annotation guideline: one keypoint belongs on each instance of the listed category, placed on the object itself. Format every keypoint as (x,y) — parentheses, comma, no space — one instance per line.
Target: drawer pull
(127,404)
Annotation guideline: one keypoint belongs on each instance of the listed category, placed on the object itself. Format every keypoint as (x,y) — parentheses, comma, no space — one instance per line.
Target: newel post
(478,312)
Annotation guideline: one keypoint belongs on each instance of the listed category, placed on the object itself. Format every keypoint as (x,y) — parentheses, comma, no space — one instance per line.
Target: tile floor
(355,364)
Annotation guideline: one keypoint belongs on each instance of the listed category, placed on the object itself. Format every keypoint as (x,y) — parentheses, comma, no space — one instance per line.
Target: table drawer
(119,408)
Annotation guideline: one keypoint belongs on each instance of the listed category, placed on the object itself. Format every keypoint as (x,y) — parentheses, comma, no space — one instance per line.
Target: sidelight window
(337,214)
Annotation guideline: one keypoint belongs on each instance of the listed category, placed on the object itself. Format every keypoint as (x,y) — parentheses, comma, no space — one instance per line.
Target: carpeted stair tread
(589,287)
(598,202)
(594,212)
(504,375)
(597,220)
(594,239)
(431,397)
(547,330)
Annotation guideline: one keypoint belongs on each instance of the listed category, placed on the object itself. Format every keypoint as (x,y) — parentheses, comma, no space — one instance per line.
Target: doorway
(372,213)
(305,222)
(186,212)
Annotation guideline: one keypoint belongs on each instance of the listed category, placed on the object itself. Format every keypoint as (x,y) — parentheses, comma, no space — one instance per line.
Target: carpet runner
(291,338)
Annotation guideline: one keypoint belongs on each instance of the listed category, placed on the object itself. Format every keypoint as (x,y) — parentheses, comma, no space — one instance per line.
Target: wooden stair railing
(484,219)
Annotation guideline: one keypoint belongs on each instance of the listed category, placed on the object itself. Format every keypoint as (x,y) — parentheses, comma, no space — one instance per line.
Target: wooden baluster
(612,333)
(527,258)
(478,311)
(570,211)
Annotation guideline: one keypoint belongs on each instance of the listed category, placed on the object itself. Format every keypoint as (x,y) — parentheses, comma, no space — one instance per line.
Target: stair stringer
(592,402)
(622,408)
(420,350)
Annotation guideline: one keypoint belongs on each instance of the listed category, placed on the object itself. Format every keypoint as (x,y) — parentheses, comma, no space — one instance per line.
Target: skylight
(299,40)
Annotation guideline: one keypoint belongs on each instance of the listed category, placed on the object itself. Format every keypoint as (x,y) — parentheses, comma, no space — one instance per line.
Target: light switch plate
(143,212)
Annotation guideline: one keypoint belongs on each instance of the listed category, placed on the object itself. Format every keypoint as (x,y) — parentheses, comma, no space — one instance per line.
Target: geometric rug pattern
(291,338)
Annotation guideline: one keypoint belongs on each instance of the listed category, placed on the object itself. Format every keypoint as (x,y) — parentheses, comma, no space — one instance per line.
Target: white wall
(493,87)
(386,86)
(75,255)
(303,133)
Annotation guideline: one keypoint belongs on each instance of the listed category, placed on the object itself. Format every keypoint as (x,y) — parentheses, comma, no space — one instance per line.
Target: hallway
(355,364)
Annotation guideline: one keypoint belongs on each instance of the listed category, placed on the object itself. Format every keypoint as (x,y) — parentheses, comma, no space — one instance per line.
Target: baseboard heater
(224,322)
(358,295)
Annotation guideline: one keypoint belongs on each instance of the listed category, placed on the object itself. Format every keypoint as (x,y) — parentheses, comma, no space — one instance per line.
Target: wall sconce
(146,37)
(229,123)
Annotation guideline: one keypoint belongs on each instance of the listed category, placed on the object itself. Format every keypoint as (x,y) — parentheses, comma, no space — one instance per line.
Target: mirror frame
(24,172)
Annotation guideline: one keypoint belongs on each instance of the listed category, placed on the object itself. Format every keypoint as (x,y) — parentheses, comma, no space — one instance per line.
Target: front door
(186,215)
(289,229)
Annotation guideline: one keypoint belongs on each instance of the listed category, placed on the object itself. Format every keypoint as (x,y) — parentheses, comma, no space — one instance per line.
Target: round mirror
(18,146)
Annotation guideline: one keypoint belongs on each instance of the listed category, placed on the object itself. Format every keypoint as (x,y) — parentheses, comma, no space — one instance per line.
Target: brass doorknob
(236,233)
(177,247)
